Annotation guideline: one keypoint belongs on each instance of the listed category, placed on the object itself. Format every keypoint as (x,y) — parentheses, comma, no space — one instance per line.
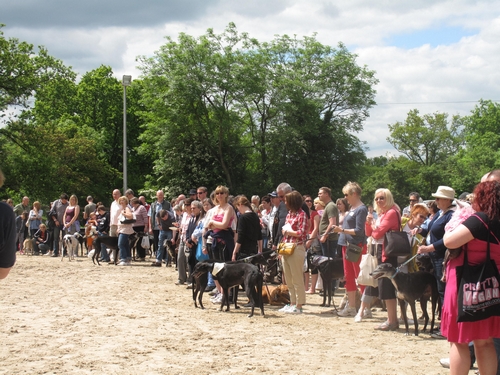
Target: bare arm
(460,236)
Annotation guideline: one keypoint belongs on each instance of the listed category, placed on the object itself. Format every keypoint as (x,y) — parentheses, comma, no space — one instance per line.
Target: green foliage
(481,154)
(258,114)
(47,160)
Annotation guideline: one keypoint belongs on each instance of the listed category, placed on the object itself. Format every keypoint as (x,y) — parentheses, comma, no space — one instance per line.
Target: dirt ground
(77,318)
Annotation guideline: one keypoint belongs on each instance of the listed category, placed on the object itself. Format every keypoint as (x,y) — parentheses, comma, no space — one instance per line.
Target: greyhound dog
(111,243)
(231,274)
(330,269)
(410,287)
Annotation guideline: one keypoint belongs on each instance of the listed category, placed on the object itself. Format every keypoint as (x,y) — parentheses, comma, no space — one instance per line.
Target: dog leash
(402,265)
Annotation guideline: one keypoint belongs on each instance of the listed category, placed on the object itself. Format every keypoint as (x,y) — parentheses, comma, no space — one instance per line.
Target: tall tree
(482,146)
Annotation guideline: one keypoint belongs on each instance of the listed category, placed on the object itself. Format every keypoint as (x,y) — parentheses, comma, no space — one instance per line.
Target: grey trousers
(182,263)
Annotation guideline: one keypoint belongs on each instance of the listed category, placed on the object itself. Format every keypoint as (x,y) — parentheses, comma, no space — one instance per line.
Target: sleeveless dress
(476,252)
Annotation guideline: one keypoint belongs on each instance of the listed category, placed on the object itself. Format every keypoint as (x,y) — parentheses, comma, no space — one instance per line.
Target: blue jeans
(162,253)
(57,235)
(104,251)
(329,248)
(124,247)
(438,272)
(496,341)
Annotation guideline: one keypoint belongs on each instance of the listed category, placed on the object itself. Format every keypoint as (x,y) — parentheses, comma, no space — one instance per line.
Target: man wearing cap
(193,194)
(89,208)
(434,233)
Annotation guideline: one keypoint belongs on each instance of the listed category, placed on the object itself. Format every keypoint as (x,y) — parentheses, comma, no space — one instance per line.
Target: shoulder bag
(353,252)
(478,288)
(396,243)
(286,248)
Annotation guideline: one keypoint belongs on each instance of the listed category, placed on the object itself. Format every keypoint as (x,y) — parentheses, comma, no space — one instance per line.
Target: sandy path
(76,318)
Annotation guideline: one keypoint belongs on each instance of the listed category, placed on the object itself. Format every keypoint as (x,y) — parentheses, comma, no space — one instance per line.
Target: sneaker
(190,286)
(178,282)
(209,288)
(156,264)
(348,311)
(123,263)
(438,335)
(367,313)
(217,298)
(358,318)
(410,321)
(214,292)
(445,362)
(294,310)
(286,308)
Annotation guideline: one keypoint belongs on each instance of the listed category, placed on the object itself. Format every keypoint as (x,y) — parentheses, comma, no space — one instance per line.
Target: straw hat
(444,192)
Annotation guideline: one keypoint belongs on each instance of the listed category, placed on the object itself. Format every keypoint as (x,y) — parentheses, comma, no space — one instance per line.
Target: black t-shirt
(7,236)
(479,230)
(249,232)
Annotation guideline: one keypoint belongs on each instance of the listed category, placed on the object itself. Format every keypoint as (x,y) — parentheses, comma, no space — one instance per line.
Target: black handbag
(396,243)
(478,288)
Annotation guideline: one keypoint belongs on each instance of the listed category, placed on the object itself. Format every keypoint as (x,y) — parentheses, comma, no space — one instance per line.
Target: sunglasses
(308,201)
(200,192)
(380,199)
(220,193)
(413,200)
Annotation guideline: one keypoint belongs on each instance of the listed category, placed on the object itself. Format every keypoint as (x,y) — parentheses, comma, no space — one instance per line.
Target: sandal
(310,292)
(385,326)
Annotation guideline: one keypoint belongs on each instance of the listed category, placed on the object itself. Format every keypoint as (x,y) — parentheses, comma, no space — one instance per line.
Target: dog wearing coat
(233,275)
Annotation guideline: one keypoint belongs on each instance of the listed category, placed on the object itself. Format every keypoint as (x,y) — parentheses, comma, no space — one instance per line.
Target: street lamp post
(125,82)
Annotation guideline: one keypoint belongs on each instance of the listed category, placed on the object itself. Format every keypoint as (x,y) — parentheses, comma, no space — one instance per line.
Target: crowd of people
(225,228)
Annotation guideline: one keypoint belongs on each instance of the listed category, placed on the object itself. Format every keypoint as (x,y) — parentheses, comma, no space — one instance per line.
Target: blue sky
(437,55)
(435,36)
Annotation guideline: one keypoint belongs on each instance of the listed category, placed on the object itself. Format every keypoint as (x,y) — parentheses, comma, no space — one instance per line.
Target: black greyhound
(112,243)
(330,269)
(233,274)
(200,279)
(410,287)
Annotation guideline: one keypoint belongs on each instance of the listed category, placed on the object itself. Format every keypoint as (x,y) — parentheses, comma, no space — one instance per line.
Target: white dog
(70,244)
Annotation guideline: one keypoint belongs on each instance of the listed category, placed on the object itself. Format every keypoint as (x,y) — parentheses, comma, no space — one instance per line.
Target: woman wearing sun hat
(434,233)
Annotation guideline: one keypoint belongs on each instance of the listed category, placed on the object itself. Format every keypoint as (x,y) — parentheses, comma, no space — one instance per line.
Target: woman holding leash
(434,233)
(249,231)
(389,219)
(293,265)
(474,232)
(352,231)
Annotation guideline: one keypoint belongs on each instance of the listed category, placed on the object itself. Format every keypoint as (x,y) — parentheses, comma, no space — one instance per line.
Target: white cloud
(464,70)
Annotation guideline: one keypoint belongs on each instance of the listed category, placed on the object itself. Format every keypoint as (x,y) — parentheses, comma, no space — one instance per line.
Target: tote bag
(478,289)
(366,267)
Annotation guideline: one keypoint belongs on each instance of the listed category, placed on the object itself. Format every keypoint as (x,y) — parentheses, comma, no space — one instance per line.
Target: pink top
(219,218)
